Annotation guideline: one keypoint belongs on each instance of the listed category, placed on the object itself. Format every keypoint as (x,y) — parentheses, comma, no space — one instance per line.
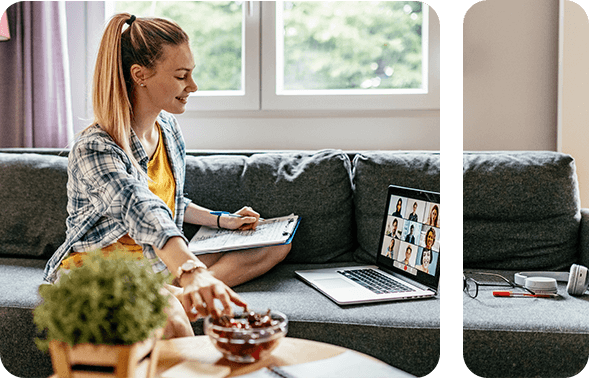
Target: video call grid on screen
(412,235)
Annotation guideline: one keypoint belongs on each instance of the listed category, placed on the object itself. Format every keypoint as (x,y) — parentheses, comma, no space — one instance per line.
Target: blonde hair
(140,43)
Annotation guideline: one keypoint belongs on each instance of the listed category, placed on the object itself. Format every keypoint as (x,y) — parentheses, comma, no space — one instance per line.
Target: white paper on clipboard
(273,231)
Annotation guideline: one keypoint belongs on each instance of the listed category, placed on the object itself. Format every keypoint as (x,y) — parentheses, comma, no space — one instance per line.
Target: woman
(433,219)
(126,174)
(397,212)
(389,251)
(430,238)
(426,259)
(408,252)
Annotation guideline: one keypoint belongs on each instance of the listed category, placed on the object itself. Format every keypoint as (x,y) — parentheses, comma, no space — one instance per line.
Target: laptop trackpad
(334,283)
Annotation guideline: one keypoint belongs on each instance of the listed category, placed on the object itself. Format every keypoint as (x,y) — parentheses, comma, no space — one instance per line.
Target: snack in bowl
(246,337)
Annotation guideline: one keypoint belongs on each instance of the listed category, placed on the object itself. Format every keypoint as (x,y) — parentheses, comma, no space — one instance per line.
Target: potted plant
(105,315)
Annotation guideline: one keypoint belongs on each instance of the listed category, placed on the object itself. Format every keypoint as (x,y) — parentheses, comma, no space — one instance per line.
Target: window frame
(426,99)
(259,84)
(248,97)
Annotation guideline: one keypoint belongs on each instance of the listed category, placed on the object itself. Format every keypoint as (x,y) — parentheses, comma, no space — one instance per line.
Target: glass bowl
(243,342)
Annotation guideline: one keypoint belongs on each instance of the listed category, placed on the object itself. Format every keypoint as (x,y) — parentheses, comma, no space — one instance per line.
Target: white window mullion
(270,75)
(248,98)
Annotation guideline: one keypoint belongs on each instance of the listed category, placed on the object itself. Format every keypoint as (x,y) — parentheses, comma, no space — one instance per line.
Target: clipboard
(274,231)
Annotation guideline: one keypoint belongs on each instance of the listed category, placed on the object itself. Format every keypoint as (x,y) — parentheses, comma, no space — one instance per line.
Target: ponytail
(141,43)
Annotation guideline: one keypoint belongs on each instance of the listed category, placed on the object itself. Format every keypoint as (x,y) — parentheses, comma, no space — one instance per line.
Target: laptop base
(344,291)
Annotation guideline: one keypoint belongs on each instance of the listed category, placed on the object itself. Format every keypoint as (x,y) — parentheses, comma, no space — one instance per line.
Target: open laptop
(408,257)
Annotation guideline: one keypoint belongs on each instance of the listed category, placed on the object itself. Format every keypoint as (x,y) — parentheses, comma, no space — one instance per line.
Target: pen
(503,293)
(219,213)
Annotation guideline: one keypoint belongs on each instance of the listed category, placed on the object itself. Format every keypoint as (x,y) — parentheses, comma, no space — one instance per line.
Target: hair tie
(130,21)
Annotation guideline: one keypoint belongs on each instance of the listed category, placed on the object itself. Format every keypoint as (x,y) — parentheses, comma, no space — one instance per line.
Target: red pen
(505,293)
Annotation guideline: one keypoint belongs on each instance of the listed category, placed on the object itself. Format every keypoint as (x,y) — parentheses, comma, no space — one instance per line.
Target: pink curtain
(35,95)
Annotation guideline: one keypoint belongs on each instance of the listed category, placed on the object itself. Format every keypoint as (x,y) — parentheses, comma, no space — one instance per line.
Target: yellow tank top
(161,184)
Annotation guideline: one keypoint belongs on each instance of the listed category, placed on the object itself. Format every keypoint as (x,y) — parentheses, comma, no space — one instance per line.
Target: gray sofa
(522,213)
(339,196)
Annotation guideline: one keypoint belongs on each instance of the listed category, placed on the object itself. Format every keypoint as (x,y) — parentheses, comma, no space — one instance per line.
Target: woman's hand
(200,289)
(244,219)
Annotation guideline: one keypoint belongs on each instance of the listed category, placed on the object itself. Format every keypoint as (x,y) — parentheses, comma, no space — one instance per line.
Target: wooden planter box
(88,360)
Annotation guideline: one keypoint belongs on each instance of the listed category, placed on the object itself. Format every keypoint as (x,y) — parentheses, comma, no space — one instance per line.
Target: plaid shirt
(108,197)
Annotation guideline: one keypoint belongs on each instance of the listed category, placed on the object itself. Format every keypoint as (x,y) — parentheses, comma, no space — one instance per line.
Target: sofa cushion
(521,210)
(314,185)
(373,173)
(532,337)
(33,201)
(375,329)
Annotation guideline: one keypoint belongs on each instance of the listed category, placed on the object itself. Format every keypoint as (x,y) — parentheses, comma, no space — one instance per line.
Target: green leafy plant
(112,300)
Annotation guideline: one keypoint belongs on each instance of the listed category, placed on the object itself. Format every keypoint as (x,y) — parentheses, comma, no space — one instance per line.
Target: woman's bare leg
(178,324)
(234,268)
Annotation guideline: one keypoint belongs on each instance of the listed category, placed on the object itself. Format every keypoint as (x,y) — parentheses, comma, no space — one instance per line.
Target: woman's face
(427,258)
(408,253)
(167,86)
(429,240)
(435,213)
(399,204)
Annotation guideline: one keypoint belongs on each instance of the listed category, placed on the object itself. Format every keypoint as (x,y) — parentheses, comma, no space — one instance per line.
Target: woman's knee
(284,251)
(267,255)
(178,324)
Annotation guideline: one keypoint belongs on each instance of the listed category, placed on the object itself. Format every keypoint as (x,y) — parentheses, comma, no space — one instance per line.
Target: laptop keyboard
(375,281)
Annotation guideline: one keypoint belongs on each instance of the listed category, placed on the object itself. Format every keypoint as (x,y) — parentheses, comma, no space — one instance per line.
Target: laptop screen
(410,237)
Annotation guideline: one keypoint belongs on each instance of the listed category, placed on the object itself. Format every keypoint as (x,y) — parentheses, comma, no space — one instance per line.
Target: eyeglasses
(471,286)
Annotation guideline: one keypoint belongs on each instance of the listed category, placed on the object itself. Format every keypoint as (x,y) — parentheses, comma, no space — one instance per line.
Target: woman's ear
(138,74)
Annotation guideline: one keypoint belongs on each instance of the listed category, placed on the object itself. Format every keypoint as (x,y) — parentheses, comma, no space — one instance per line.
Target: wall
(511,75)
(311,131)
(574,108)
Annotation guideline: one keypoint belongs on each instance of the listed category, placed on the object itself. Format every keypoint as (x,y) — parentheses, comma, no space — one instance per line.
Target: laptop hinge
(414,283)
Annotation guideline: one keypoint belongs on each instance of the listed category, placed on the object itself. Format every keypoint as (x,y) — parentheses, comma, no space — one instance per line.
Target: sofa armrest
(584,238)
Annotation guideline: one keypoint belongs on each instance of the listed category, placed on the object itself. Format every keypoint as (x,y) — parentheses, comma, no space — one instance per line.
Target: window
(224,40)
(221,39)
(297,55)
(346,46)
(350,55)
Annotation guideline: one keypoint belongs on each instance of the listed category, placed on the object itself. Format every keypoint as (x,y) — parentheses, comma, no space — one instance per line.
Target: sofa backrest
(372,174)
(313,185)
(340,221)
(521,210)
(33,204)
